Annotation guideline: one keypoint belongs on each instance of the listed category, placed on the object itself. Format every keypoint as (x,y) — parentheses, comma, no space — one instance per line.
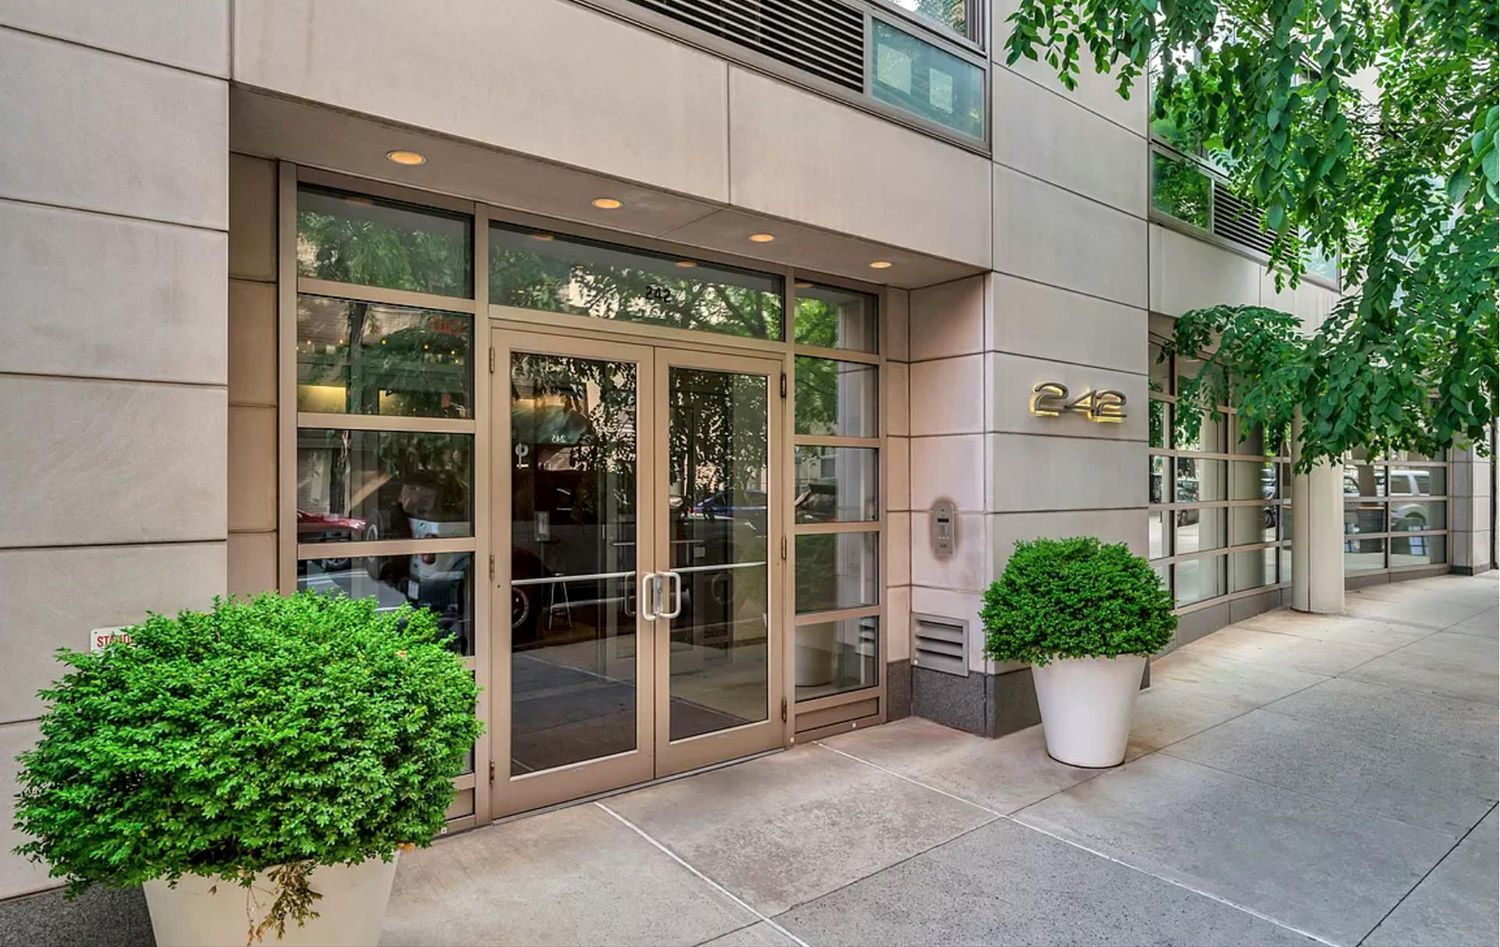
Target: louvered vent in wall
(823,37)
(940,644)
(1239,220)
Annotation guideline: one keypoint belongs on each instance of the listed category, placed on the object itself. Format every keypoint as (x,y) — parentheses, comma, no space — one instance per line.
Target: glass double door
(638,564)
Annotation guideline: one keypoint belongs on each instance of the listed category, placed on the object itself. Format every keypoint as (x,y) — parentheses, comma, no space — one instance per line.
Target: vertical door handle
(676,579)
(650,591)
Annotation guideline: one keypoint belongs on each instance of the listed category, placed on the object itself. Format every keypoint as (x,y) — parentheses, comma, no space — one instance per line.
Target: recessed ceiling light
(880,264)
(408,158)
(605,203)
(687,264)
(762,237)
(802,284)
(541,236)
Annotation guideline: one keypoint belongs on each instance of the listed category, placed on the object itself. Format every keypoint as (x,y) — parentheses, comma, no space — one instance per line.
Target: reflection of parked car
(722,506)
(1417,484)
(438,581)
(328,528)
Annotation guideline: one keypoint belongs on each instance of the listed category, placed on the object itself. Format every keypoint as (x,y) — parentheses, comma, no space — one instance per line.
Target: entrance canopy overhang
(272,126)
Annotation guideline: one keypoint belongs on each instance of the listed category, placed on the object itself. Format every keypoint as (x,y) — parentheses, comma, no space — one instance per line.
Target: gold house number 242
(1050,400)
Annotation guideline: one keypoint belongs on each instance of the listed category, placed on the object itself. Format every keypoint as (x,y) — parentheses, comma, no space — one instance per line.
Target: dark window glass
(368,485)
(927,81)
(365,358)
(374,242)
(1253,524)
(533,269)
(441,582)
(836,318)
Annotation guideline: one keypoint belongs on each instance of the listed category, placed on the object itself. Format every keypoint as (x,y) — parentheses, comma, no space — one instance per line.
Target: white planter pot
(1086,706)
(351,911)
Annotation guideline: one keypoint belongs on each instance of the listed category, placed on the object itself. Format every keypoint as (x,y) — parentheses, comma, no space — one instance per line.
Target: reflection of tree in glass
(587,406)
(718,436)
(435,463)
(1180,189)
(354,250)
(531,280)
(395,361)
(817,323)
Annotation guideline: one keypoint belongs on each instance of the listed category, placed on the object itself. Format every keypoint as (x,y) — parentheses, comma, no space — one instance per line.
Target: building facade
(700,368)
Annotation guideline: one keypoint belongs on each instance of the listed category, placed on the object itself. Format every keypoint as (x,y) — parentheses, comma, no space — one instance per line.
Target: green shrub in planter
(1075,598)
(276,734)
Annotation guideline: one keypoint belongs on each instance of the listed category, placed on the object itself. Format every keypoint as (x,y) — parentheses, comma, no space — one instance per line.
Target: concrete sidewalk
(1291,780)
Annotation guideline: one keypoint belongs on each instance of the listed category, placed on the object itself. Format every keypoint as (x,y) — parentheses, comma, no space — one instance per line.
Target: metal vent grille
(940,644)
(1239,221)
(823,37)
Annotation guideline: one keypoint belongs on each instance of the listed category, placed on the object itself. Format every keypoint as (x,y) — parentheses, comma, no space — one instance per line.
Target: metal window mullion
(404,546)
(384,423)
(379,295)
(838,614)
(835,440)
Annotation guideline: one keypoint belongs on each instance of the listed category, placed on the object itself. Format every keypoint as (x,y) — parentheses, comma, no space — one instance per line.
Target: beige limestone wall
(252,546)
(114,410)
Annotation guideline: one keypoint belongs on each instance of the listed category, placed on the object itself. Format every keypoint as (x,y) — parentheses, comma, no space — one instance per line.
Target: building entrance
(638,563)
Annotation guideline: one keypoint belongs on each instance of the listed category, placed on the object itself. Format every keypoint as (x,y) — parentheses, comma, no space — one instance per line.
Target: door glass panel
(718,472)
(573,559)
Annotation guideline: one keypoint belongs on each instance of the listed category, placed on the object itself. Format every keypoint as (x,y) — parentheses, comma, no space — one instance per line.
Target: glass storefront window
(1198,530)
(836,485)
(1252,481)
(1417,481)
(1157,489)
(836,398)
(1180,190)
(837,656)
(440,582)
(1159,424)
(533,269)
(1200,481)
(1364,518)
(1197,580)
(919,77)
(1252,524)
(1363,555)
(1409,517)
(358,357)
(1156,534)
(374,485)
(352,238)
(837,570)
(1252,569)
(1408,551)
(832,318)
(1364,480)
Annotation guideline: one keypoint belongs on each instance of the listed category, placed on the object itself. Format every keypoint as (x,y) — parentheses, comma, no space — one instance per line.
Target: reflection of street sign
(101,638)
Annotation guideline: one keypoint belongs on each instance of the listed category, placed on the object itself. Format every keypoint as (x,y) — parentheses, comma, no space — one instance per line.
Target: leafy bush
(1075,598)
(284,731)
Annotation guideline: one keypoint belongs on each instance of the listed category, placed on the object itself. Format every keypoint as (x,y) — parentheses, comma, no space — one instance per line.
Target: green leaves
(1401,181)
(1075,598)
(280,731)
